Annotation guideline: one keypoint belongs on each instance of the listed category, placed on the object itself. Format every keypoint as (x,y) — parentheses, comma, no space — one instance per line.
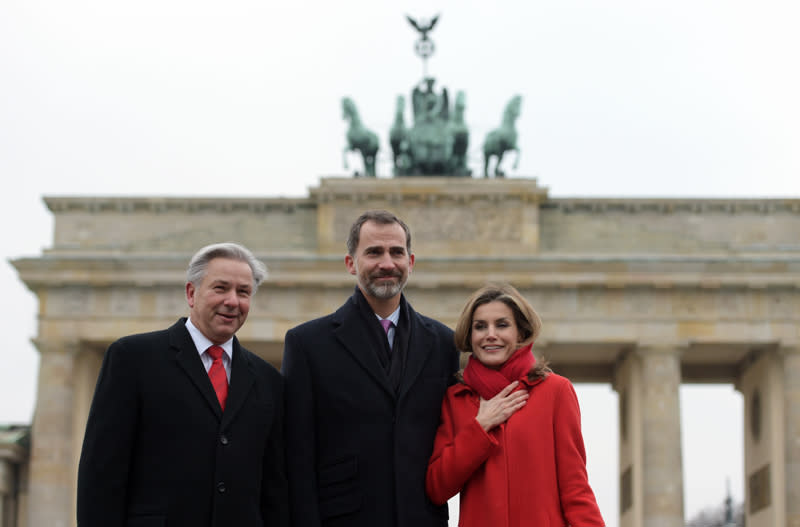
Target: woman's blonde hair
(527,320)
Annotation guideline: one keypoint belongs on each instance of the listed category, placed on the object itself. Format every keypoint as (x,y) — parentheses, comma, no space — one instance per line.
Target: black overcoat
(159,452)
(357,449)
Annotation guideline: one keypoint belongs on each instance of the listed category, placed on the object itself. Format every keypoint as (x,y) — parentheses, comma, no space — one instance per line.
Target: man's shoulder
(147,338)
(322,325)
(313,326)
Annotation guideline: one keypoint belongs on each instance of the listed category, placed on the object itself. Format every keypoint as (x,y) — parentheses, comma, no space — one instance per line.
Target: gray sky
(620,98)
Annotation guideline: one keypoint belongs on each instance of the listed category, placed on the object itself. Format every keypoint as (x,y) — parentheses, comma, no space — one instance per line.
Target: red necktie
(219,379)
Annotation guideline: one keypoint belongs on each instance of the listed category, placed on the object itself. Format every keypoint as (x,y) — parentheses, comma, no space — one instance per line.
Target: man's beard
(387,290)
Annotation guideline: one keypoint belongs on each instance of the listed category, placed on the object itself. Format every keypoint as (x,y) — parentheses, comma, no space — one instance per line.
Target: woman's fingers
(499,408)
(507,390)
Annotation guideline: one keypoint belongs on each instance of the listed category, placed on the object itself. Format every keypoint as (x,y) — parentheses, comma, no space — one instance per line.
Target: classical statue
(398,138)
(428,106)
(460,133)
(430,140)
(503,139)
(434,141)
(359,138)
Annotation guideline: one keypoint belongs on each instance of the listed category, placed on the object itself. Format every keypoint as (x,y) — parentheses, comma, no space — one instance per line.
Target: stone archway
(644,293)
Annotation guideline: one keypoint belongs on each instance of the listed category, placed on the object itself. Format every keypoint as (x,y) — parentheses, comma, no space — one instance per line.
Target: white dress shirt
(202,343)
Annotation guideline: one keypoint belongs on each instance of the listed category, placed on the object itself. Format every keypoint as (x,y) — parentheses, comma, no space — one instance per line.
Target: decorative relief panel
(69,301)
(124,302)
(760,494)
(171,302)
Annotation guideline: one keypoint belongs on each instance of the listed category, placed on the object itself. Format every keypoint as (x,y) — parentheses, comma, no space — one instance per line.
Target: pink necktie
(387,324)
(219,379)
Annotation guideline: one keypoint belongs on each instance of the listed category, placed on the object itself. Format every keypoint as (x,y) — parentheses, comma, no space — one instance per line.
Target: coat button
(223,439)
(221,487)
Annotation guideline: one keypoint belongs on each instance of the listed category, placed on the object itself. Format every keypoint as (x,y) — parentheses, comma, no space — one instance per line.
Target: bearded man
(364,387)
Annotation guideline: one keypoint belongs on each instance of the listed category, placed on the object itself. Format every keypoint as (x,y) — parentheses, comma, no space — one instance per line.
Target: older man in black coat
(186,426)
(364,391)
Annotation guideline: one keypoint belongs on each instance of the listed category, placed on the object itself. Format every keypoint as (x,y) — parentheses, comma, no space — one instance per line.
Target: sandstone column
(651,471)
(51,462)
(766,430)
(791,394)
(6,493)
(86,367)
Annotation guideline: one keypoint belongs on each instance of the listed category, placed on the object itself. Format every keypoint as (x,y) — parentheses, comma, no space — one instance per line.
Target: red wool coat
(529,471)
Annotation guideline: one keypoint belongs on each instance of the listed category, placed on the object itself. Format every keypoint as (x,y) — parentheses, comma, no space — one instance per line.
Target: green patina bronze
(436,144)
(359,138)
(437,141)
(503,139)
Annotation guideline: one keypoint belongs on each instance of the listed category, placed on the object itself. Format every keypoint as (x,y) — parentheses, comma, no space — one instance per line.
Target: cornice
(707,274)
(418,190)
(672,206)
(185,205)
(427,190)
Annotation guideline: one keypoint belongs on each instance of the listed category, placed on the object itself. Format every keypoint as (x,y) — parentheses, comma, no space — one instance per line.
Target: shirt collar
(394,317)
(202,343)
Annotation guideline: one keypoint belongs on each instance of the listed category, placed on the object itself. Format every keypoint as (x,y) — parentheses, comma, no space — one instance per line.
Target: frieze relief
(124,302)
(69,301)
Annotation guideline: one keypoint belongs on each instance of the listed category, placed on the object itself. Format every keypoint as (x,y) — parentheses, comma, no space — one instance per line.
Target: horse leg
(369,165)
(497,171)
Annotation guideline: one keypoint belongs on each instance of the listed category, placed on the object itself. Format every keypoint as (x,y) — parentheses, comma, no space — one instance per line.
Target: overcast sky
(620,98)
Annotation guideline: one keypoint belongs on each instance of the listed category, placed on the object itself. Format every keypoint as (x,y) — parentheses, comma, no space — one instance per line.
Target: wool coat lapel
(420,346)
(189,360)
(350,332)
(241,382)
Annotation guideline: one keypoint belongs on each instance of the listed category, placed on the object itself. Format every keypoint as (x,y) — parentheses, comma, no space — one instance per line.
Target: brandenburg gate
(644,294)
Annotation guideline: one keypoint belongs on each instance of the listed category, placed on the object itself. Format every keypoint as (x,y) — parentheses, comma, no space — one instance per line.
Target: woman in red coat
(510,438)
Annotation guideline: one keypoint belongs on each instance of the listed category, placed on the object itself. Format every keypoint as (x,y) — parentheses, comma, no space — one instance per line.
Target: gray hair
(198,265)
(381,217)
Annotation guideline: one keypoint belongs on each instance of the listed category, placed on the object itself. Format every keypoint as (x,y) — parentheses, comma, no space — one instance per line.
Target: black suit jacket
(357,449)
(159,452)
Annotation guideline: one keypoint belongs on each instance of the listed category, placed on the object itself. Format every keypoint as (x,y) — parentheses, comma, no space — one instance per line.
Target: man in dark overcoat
(186,427)
(364,391)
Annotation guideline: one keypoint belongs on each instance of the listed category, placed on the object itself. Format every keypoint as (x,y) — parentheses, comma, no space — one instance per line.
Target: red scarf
(488,382)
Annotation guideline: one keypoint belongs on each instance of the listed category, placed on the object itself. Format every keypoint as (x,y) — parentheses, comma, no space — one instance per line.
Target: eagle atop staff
(423,26)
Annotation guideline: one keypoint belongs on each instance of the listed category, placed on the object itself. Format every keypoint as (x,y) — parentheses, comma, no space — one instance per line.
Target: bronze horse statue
(460,134)
(398,138)
(503,139)
(359,138)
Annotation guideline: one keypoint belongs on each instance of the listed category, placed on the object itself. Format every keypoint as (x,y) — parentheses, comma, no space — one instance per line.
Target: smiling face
(221,300)
(494,334)
(381,261)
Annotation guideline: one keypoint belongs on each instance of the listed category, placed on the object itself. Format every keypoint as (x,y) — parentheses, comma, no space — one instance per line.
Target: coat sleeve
(577,499)
(461,447)
(274,486)
(108,442)
(300,435)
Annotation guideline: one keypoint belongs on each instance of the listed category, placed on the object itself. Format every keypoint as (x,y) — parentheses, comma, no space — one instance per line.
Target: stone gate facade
(642,293)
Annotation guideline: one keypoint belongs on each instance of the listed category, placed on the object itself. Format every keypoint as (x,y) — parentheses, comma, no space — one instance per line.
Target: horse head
(399,109)
(458,107)
(349,110)
(513,108)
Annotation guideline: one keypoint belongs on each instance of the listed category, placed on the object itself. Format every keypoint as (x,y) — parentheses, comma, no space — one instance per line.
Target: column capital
(645,349)
(47,345)
(789,350)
